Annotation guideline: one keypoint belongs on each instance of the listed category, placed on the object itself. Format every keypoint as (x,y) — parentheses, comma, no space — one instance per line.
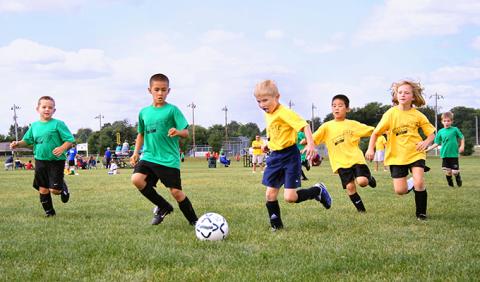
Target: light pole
(437,97)
(15,124)
(193,106)
(313,116)
(290,104)
(99,117)
(476,128)
(225,109)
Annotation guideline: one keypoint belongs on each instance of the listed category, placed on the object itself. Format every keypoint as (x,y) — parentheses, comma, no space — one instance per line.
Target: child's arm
(175,132)
(16,144)
(310,147)
(138,145)
(423,145)
(369,154)
(431,147)
(462,145)
(60,149)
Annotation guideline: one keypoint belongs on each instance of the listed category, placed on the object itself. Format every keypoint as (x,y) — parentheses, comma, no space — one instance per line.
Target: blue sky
(97,56)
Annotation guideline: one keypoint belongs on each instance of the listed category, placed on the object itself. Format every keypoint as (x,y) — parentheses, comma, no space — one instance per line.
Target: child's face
(268,103)
(405,95)
(46,108)
(446,122)
(339,109)
(159,91)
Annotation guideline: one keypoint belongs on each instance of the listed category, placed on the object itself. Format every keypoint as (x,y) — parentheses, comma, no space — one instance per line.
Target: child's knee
(177,194)
(455,172)
(138,180)
(55,192)
(351,188)
(362,181)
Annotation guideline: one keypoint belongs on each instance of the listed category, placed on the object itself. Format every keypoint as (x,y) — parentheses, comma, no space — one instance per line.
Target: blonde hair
(448,115)
(48,98)
(266,88)
(417,90)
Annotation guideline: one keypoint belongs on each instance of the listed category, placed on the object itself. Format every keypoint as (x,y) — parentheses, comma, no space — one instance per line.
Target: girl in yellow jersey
(405,147)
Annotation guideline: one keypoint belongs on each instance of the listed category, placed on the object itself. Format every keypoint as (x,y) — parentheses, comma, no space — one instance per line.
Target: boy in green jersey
(159,127)
(50,138)
(448,138)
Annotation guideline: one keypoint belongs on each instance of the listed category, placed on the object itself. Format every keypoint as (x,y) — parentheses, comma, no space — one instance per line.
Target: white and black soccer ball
(212,227)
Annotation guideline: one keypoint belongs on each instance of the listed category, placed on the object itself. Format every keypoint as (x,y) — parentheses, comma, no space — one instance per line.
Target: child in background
(448,138)
(284,164)
(341,136)
(379,157)
(405,147)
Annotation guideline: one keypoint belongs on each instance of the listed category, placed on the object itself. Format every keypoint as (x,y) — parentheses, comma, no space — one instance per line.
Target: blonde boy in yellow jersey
(380,152)
(257,158)
(284,163)
(341,136)
(405,147)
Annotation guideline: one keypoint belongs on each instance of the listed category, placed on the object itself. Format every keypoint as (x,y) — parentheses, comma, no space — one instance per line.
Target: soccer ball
(212,227)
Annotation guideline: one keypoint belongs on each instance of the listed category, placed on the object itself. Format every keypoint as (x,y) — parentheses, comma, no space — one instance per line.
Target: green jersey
(153,124)
(46,136)
(300,137)
(448,139)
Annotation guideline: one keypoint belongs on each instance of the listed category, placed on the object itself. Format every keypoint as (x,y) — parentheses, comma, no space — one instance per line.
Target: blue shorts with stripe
(284,167)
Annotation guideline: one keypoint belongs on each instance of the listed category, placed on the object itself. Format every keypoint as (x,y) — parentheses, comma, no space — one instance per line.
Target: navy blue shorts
(284,167)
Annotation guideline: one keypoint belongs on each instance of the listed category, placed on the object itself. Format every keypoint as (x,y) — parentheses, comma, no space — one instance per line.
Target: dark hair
(159,77)
(342,97)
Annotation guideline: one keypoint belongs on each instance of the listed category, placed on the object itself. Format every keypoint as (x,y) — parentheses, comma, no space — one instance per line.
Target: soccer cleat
(276,228)
(160,215)
(65,194)
(421,217)
(372,182)
(458,179)
(50,213)
(324,196)
(426,169)
(450,181)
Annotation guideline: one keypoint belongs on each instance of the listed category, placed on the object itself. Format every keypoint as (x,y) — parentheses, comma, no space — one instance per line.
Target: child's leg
(146,188)
(273,208)
(376,166)
(185,205)
(46,201)
(458,178)
(400,185)
(354,197)
(448,176)
(420,192)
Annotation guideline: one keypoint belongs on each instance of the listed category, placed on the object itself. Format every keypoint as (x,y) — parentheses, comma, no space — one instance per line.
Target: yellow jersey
(257,147)
(380,144)
(282,127)
(403,135)
(341,139)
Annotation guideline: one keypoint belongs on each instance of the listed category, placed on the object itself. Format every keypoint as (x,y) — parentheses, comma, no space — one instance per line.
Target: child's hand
(134,159)
(58,151)
(461,149)
(422,146)
(172,132)
(309,151)
(14,144)
(369,154)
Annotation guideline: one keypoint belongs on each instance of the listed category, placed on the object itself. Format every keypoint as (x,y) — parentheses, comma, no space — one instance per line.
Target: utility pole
(313,116)
(437,97)
(225,109)
(15,124)
(100,118)
(193,106)
(290,104)
(476,128)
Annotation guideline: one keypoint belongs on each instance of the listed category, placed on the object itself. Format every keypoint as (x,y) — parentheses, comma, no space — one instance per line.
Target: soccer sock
(449,180)
(303,175)
(46,201)
(458,178)
(274,214)
(357,202)
(307,194)
(409,185)
(421,202)
(155,198)
(188,211)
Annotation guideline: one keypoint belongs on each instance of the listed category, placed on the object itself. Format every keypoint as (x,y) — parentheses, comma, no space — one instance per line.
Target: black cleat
(372,182)
(65,194)
(426,169)
(458,179)
(50,213)
(160,215)
(421,217)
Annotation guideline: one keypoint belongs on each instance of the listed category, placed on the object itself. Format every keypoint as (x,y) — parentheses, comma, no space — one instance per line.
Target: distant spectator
(71,157)
(19,164)
(92,163)
(9,163)
(29,165)
(224,160)
(108,157)
(113,168)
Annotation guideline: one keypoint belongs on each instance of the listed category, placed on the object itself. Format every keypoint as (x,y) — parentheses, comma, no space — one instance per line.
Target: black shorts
(400,171)
(450,163)
(49,174)
(169,176)
(348,175)
(71,162)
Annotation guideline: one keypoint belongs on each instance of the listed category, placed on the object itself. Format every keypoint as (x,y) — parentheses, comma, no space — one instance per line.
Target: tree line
(214,136)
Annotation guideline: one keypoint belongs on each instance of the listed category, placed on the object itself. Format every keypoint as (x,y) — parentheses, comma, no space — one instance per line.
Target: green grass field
(103,233)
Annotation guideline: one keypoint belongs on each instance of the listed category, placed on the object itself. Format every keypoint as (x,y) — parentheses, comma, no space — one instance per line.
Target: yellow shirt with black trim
(257,147)
(403,135)
(282,127)
(380,144)
(341,139)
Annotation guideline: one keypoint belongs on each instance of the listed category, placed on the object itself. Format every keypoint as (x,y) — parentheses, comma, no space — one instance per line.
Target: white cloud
(398,20)
(218,36)
(274,34)
(334,43)
(476,43)
(455,74)
(35,5)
